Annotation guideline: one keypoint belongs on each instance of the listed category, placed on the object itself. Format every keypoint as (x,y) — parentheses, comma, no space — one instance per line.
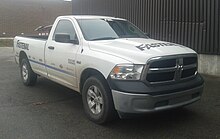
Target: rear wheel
(29,78)
(97,100)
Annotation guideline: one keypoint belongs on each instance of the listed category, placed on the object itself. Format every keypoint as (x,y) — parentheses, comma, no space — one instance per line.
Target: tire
(28,77)
(97,100)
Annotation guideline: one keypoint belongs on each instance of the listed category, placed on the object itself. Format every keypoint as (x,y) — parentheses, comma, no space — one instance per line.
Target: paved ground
(49,110)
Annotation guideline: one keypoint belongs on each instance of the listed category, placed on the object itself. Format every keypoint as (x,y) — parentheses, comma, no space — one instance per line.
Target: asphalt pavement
(51,111)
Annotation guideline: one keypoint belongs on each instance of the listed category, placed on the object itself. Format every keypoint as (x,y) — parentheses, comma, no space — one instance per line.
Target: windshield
(104,29)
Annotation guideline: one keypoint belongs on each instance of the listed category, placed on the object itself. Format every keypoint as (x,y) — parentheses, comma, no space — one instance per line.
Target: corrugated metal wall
(194,23)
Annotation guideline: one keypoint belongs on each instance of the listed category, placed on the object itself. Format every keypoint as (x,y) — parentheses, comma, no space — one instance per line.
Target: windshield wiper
(104,38)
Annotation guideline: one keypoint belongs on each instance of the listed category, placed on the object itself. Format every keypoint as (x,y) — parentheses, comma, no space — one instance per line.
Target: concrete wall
(209,64)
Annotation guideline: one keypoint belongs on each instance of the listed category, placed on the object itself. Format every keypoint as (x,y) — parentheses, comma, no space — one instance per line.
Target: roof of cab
(91,17)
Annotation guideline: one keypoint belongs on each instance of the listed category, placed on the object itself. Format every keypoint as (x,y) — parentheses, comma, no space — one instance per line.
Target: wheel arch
(88,73)
(22,55)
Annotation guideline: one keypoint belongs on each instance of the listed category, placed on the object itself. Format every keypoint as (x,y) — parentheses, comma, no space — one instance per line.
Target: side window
(65,27)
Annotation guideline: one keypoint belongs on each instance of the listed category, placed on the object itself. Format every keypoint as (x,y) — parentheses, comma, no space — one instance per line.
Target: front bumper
(143,103)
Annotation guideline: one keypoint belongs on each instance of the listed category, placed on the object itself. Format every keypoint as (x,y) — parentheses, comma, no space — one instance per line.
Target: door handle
(51,47)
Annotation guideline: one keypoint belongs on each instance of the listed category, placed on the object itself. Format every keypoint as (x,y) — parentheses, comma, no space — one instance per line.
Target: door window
(65,27)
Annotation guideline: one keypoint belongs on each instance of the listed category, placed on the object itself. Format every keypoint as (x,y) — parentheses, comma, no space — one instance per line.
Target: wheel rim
(94,99)
(24,72)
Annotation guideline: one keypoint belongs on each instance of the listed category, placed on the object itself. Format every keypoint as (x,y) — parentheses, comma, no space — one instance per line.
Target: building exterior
(24,16)
(193,23)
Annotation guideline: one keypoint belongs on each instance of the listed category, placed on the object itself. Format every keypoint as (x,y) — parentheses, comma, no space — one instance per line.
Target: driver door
(60,57)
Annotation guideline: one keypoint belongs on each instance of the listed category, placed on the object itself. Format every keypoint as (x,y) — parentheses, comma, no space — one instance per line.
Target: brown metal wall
(194,23)
(23,16)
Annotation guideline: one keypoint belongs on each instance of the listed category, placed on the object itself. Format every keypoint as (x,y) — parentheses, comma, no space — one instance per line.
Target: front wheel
(97,100)
(29,78)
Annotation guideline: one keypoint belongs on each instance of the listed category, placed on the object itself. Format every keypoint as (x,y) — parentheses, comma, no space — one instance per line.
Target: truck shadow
(155,124)
(159,121)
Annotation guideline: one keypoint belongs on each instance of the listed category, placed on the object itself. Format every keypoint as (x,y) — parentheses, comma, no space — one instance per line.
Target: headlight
(127,72)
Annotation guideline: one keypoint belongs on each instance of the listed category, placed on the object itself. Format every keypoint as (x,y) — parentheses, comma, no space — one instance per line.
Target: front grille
(188,72)
(171,68)
(159,77)
(164,63)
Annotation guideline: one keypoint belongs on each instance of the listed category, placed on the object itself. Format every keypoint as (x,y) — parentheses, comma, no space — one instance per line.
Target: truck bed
(36,37)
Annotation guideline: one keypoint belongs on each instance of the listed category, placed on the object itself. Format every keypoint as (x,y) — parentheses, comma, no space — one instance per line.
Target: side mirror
(64,38)
(76,41)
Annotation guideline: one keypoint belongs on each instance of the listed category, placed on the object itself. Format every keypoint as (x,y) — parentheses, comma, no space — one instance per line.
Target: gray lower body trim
(143,103)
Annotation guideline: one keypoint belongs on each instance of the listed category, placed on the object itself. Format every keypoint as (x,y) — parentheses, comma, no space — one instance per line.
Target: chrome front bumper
(143,103)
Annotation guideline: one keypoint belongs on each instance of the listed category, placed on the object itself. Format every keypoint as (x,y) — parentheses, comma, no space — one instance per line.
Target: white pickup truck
(113,64)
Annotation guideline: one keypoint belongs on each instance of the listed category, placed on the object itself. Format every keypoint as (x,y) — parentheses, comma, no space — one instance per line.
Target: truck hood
(138,50)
